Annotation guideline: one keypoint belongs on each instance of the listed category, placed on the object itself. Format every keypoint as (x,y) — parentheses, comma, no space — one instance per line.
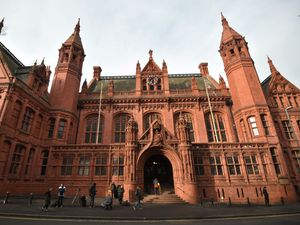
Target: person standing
(138,196)
(113,189)
(155,186)
(47,200)
(92,193)
(266,195)
(120,193)
(61,195)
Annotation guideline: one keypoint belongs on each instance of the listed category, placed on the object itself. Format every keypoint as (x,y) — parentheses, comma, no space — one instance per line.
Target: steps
(164,198)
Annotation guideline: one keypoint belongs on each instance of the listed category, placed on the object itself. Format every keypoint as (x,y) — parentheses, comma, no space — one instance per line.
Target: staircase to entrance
(166,197)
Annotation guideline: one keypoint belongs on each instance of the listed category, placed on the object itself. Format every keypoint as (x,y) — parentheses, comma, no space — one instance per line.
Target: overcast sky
(115,33)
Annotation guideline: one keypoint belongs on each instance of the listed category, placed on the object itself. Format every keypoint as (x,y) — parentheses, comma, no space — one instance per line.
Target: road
(259,220)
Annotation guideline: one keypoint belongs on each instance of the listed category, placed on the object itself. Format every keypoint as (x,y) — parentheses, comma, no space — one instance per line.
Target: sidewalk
(149,211)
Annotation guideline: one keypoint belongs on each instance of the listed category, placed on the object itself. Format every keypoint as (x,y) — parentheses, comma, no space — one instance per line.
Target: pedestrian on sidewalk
(47,200)
(266,195)
(92,193)
(113,189)
(61,195)
(138,196)
(155,186)
(30,199)
(120,191)
(108,201)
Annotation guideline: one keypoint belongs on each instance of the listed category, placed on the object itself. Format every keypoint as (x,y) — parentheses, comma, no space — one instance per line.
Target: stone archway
(158,166)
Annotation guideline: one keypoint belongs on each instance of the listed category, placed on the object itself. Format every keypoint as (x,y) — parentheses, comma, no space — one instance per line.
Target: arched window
(159,84)
(120,123)
(149,118)
(189,123)
(91,129)
(16,160)
(44,162)
(253,125)
(51,126)
(215,127)
(61,128)
(27,120)
(144,85)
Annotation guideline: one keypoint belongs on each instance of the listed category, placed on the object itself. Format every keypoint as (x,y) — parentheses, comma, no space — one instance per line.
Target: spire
(43,61)
(150,54)
(138,67)
(272,67)
(164,66)
(1,24)
(75,37)
(228,33)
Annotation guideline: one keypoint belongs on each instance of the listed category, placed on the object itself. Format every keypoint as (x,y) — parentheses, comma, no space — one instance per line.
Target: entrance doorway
(158,166)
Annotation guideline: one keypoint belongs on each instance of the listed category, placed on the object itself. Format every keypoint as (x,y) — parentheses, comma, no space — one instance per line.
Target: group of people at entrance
(116,191)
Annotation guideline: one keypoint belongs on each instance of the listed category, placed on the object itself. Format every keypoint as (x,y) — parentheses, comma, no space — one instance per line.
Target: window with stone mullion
(91,130)
(16,159)
(67,165)
(288,130)
(27,120)
(120,127)
(84,166)
(215,165)
(233,165)
(251,164)
(101,165)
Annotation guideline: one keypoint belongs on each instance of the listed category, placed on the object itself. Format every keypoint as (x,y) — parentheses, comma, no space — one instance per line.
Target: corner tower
(250,107)
(65,88)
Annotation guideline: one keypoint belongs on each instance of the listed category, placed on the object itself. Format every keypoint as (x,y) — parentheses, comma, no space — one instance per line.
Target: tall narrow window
(253,125)
(61,129)
(290,101)
(118,165)
(29,162)
(149,118)
(275,160)
(91,129)
(265,123)
(296,157)
(16,159)
(144,85)
(101,165)
(215,127)
(281,102)
(199,165)
(233,165)
(120,127)
(288,130)
(296,101)
(84,166)
(67,165)
(189,124)
(16,113)
(275,102)
(44,162)
(159,84)
(264,163)
(251,164)
(51,126)
(27,120)
(215,165)
(244,131)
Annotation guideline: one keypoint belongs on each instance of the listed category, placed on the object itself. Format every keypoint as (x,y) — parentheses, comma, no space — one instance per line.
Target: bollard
(282,200)
(30,199)
(229,201)
(248,201)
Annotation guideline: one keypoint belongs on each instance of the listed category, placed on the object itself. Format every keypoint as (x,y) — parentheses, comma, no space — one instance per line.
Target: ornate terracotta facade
(201,139)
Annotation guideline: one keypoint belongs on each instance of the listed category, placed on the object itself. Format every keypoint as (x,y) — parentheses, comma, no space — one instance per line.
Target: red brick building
(199,138)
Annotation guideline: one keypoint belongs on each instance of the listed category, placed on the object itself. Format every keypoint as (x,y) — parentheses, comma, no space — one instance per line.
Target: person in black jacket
(120,191)
(138,196)
(266,195)
(47,200)
(92,193)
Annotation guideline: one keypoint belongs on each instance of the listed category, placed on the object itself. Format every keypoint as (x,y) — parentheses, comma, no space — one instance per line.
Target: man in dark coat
(266,195)
(121,191)
(47,200)
(92,193)
(138,196)
(61,195)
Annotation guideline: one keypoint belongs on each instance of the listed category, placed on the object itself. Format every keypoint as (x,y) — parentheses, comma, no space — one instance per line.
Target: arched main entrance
(158,166)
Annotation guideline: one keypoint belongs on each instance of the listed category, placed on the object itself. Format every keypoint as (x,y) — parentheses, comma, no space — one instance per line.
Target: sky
(117,33)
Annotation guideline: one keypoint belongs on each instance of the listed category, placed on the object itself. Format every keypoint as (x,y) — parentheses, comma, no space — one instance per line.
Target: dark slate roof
(266,84)
(12,62)
(127,83)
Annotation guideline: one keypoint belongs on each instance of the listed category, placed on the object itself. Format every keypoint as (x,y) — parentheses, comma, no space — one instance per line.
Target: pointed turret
(273,69)
(75,37)
(68,73)
(228,33)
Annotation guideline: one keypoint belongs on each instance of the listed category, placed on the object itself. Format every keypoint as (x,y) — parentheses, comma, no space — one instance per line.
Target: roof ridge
(133,76)
(13,57)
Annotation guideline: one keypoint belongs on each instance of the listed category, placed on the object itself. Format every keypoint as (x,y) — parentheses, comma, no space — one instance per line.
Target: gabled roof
(11,61)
